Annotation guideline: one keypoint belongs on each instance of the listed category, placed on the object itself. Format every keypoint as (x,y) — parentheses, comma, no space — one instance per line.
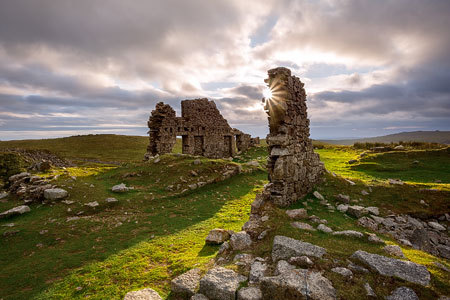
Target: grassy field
(153,234)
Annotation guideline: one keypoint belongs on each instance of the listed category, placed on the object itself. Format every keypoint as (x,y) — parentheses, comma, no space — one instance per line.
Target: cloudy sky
(370,68)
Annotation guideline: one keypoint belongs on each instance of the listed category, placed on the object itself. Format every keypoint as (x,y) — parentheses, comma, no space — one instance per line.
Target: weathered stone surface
(368,223)
(291,285)
(324,228)
(436,226)
(186,284)
(217,236)
(349,233)
(342,208)
(199,297)
(394,250)
(373,210)
(386,266)
(318,195)
(257,271)
(302,226)
(283,266)
(356,211)
(15,211)
(55,194)
(120,188)
(145,294)
(240,240)
(373,238)
(342,271)
(343,198)
(297,214)
(220,284)
(249,293)
(403,293)
(285,248)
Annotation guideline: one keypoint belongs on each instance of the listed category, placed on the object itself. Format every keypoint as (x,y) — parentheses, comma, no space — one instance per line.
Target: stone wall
(293,166)
(204,131)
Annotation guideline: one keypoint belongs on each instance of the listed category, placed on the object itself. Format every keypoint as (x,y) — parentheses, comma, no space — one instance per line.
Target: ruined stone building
(293,166)
(203,130)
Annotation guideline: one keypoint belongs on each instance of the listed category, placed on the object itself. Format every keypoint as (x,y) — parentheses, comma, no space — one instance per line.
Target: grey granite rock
(144,294)
(386,266)
(240,240)
(217,236)
(15,211)
(402,293)
(55,194)
(285,248)
(249,293)
(342,271)
(220,284)
(186,284)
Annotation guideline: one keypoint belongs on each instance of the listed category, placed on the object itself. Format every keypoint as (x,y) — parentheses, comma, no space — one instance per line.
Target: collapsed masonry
(293,166)
(204,131)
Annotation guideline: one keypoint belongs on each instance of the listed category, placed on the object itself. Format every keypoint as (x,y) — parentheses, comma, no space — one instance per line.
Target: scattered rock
(186,284)
(364,193)
(301,261)
(285,248)
(342,271)
(373,238)
(157,160)
(369,291)
(356,211)
(220,284)
(92,204)
(217,236)
(120,188)
(343,198)
(55,194)
(111,200)
(291,285)
(302,226)
(240,240)
(324,228)
(197,162)
(368,223)
(395,181)
(253,163)
(394,250)
(19,210)
(145,294)
(3,195)
(199,297)
(296,214)
(403,293)
(342,208)
(318,195)
(68,202)
(357,269)
(249,293)
(373,210)
(349,181)
(386,266)
(405,242)
(349,233)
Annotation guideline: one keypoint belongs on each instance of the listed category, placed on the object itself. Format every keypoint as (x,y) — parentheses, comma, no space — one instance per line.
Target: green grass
(144,239)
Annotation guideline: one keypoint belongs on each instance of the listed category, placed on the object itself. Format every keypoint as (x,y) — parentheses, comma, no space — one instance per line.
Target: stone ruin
(293,166)
(203,130)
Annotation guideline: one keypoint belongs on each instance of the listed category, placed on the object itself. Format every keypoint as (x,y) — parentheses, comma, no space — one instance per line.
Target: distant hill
(441,137)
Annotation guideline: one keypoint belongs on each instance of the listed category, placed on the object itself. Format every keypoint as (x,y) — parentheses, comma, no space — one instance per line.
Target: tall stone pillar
(293,166)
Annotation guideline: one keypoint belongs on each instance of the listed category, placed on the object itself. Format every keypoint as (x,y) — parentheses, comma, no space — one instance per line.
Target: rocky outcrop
(185,285)
(220,284)
(386,266)
(402,293)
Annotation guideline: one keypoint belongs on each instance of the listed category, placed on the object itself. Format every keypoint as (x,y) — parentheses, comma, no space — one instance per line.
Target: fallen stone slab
(92,204)
(15,211)
(342,271)
(297,214)
(145,294)
(392,267)
(186,284)
(403,293)
(285,248)
(302,226)
(349,233)
(55,194)
(318,195)
(291,285)
(436,226)
(221,284)
(249,293)
(373,210)
(324,228)
(217,236)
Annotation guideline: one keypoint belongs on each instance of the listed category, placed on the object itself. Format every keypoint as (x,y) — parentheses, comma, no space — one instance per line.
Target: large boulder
(392,267)
(15,211)
(55,194)
(291,285)
(403,293)
(240,240)
(217,236)
(145,294)
(220,284)
(186,284)
(285,248)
